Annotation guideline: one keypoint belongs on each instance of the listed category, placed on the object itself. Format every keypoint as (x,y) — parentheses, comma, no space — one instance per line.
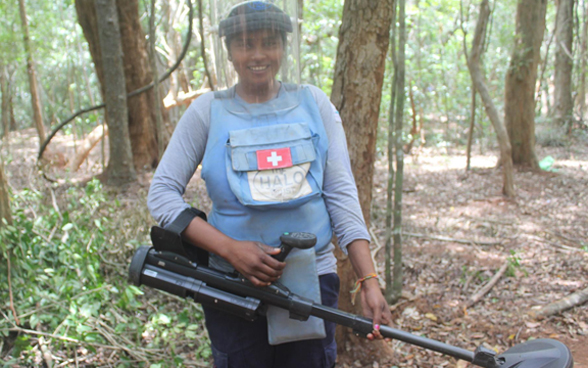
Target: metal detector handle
(294,240)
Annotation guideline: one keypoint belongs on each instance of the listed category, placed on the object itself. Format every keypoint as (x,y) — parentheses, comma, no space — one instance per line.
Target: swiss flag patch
(277,158)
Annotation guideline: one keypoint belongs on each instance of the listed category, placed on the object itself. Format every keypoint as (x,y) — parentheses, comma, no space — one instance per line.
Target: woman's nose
(258,53)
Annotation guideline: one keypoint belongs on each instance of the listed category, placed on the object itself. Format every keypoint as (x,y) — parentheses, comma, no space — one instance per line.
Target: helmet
(254,15)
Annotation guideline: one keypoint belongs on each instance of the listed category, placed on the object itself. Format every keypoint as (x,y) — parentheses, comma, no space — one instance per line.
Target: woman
(274,159)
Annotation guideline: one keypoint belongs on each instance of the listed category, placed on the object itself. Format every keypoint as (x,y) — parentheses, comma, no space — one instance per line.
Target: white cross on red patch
(275,158)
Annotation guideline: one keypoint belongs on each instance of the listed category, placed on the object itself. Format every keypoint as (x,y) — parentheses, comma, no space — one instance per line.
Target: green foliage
(318,50)
(514,264)
(65,282)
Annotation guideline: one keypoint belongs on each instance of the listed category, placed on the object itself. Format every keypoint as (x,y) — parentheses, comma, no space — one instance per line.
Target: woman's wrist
(371,283)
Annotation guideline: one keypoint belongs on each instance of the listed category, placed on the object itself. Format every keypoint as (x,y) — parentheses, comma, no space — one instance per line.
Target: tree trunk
(564,63)
(471,130)
(480,83)
(399,153)
(35,98)
(519,107)
(137,73)
(391,169)
(5,117)
(120,164)
(4,198)
(584,56)
(356,93)
(156,96)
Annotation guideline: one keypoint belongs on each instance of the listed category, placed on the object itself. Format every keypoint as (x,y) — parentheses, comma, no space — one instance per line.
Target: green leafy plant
(514,264)
(68,256)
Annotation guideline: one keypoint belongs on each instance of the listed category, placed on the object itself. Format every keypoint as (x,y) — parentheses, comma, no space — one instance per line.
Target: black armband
(170,239)
(183,220)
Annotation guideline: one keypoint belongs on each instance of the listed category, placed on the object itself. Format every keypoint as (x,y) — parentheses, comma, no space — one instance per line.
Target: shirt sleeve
(179,162)
(339,189)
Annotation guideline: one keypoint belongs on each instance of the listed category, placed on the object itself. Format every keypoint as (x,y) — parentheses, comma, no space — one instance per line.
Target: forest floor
(459,230)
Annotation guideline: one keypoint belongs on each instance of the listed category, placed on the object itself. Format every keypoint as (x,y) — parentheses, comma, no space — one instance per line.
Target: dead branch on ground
(572,300)
(448,239)
(484,290)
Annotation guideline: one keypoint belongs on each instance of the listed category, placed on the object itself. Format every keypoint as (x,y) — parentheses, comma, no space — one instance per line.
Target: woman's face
(256,56)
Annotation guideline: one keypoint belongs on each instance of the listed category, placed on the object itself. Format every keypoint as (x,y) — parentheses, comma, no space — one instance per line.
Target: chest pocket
(274,166)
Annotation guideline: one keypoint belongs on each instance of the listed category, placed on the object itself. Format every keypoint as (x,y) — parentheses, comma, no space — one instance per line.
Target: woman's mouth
(258,68)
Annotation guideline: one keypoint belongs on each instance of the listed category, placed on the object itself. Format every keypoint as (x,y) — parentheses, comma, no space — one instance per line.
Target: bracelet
(358,285)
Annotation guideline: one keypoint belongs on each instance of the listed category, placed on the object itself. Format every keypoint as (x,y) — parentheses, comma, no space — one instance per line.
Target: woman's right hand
(254,261)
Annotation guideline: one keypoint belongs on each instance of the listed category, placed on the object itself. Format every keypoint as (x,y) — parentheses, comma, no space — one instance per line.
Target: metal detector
(178,274)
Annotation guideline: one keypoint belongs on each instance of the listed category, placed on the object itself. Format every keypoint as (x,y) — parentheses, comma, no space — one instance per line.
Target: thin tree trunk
(34,88)
(161,133)
(400,97)
(564,63)
(120,164)
(4,198)
(356,93)
(543,85)
(584,56)
(472,125)
(391,170)
(519,108)
(479,80)
(5,117)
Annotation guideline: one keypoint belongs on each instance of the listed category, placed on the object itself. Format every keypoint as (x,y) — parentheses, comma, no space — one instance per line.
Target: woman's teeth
(258,68)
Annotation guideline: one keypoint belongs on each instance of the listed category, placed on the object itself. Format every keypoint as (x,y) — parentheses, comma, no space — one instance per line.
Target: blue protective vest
(263,167)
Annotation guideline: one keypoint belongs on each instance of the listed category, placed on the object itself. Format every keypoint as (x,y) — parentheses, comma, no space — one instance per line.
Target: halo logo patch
(279,185)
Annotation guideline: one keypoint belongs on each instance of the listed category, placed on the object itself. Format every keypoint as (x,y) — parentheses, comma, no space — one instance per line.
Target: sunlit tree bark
(357,91)
(519,108)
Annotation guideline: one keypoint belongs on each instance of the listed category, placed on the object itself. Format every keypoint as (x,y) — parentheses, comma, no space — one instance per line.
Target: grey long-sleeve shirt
(188,144)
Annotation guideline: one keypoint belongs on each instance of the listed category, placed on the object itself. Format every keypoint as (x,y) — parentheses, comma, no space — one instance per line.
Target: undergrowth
(68,256)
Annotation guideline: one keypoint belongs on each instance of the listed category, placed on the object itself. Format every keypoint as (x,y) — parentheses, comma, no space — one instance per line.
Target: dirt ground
(458,232)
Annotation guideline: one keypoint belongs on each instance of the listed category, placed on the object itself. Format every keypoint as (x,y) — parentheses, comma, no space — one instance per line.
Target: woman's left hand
(374,306)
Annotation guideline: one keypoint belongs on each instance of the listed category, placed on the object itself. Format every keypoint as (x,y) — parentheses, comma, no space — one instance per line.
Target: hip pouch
(300,277)
(273,166)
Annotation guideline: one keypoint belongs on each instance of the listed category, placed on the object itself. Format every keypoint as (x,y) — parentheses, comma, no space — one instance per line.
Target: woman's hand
(373,302)
(254,261)
(374,306)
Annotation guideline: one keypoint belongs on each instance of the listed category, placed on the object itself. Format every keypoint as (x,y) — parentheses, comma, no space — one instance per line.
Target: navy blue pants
(237,343)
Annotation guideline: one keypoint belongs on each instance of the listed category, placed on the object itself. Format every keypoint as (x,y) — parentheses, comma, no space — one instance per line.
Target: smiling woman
(274,159)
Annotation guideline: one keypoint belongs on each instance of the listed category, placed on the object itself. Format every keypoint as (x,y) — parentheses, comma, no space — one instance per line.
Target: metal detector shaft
(364,326)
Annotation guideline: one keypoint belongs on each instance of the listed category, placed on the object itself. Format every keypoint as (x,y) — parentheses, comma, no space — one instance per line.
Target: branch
(577,298)
(163,77)
(202,45)
(483,291)
(448,239)
(10,290)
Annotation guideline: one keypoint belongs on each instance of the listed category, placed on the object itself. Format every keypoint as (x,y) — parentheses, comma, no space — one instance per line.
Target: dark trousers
(237,343)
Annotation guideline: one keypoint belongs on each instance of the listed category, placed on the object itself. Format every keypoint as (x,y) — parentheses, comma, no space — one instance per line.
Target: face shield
(257,46)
